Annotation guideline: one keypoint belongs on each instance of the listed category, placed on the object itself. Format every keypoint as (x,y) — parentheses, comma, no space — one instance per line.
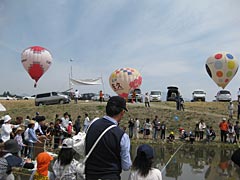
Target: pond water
(193,162)
(190,162)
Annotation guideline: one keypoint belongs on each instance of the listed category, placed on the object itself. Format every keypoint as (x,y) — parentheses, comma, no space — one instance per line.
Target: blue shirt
(126,161)
(32,137)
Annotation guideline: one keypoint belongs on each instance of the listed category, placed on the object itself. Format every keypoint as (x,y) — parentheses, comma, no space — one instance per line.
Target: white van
(198,95)
(155,95)
(51,98)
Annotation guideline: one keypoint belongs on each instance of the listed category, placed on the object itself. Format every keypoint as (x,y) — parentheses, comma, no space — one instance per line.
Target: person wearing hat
(142,165)
(43,161)
(6,129)
(9,159)
(66,167)
(18,138)
(111,155)
(32,138)
(224,129)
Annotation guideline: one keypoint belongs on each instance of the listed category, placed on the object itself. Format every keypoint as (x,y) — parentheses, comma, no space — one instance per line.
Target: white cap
(224,119)
(67,143)
(6,118)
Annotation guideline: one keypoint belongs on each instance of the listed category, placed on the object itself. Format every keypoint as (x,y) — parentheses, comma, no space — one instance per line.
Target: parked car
(106,97)
(223,95)
(51,98)
(155,95)
(138,98)
(198,95)
(87,96)
(172,93)
(28,97)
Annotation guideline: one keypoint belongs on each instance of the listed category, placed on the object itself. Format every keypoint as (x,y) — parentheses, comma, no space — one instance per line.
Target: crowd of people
(31,137)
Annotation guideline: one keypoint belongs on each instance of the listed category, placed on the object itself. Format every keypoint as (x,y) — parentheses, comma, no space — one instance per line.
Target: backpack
(3,168)
(26,136)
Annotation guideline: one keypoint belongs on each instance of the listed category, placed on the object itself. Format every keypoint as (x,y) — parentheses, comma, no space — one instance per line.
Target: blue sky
(167,41)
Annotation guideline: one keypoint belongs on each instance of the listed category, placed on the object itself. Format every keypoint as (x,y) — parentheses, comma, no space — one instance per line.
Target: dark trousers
(223,136)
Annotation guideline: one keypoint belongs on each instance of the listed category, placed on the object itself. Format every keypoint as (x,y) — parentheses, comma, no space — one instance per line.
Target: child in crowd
(142,165)
(43,162)
(18,138)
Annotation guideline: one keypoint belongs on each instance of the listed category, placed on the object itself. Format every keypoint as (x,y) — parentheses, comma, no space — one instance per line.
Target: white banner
(97,81)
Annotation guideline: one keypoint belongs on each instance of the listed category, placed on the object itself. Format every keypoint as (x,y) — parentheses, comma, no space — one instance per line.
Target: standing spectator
(134,98)
(18,138)
(202,127)
(231,133)
(69,129)
(163,130)
(76,96)
(181,103)
(86,122)
(77,125)
(39,124)
(237,131)
(101,96)
(143,165)
(147,129)
(238,93)
(136,128)
(156,127)
(65,121)
(230,109)
(6,128)
(111,155)
(238,115)
(130,127)
(32,138)
(147,103)
(50,133)
(177,99)
(57,133)
(224,130)
(196,132)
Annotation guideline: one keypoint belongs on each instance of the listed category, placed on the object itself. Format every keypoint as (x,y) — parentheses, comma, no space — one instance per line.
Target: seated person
(211,135)
(191,137)
(171,137)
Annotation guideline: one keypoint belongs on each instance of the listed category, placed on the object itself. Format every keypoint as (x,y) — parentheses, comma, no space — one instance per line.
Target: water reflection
(194,162)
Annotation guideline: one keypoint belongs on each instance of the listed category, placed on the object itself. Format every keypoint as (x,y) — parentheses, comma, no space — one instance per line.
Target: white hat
(224,119)
(67,143)
(6,118)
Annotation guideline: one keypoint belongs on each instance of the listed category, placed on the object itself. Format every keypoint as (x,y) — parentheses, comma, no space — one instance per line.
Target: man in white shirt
(76,95)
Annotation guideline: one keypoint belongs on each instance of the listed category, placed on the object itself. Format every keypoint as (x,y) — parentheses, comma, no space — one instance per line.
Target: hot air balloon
(36,60)
(222,67)
(124,80)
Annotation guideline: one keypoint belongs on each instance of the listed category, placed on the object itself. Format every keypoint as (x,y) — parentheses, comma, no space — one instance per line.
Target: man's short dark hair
(112,110)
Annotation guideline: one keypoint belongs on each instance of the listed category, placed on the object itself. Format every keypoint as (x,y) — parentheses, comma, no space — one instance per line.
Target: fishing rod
(171,157)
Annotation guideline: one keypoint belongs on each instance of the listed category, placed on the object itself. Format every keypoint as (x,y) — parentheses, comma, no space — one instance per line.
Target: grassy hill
(210,112)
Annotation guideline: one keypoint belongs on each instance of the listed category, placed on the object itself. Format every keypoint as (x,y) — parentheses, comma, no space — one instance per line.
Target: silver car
(223,95)
(51,98)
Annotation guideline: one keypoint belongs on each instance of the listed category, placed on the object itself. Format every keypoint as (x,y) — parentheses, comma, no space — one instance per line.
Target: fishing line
(171,157)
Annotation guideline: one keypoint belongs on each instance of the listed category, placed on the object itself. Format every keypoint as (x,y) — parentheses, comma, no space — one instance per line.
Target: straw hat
(19,129)
(31,122)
